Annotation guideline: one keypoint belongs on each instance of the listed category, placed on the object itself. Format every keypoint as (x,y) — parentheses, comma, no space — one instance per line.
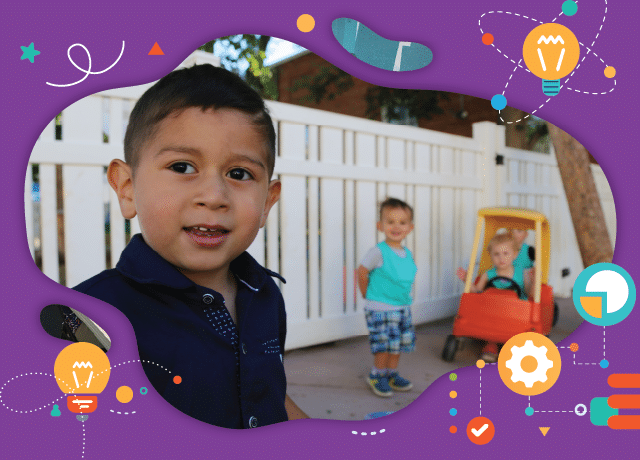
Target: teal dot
(569,8)
(498,102)
(453,377)
(529,411)
(604,364)
(453,411)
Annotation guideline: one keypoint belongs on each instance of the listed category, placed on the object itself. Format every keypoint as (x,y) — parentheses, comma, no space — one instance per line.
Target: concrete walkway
(328,381)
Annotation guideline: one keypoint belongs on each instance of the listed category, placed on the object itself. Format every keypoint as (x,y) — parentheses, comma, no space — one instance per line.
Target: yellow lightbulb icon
(82,369)
(551,52)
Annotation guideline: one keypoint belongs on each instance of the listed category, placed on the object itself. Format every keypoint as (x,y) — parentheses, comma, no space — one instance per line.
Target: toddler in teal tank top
(385,279)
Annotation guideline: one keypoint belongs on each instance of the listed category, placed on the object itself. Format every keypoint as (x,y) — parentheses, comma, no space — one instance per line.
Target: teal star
(29,52)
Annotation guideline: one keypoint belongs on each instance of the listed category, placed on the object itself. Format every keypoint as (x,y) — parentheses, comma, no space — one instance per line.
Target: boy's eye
(239,174)
(182,168)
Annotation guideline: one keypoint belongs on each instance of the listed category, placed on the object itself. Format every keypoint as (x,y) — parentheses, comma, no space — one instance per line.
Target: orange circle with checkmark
(480,430)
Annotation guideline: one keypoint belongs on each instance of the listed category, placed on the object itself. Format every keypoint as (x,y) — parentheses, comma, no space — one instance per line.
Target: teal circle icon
(569,7)
(604,294)
(529,411)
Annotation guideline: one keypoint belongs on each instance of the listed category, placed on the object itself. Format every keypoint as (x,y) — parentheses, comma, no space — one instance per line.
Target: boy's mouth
(207,235)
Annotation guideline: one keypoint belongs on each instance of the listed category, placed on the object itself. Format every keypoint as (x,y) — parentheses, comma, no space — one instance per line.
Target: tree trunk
(584,202)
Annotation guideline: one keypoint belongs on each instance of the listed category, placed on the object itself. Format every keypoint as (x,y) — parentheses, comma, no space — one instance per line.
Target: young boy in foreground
(199,155)
(385,278)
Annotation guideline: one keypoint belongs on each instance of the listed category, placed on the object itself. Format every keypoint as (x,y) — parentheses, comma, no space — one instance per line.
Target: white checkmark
(477,433)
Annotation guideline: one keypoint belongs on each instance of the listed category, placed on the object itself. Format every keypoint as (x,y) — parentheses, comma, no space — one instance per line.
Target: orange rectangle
(82,404)
(624,422)
(624,401)
(624,380)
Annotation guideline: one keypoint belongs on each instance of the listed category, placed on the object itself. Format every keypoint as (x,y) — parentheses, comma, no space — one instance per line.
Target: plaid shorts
(390,331)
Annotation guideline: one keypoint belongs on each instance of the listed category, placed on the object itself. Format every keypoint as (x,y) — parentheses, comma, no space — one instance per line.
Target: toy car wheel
(450,348)
(556,314)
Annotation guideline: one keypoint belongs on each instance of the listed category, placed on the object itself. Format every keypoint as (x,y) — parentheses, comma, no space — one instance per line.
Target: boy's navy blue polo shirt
(231,377)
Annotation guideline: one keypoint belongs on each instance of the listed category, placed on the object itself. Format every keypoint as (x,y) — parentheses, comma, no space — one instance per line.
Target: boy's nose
(212,193)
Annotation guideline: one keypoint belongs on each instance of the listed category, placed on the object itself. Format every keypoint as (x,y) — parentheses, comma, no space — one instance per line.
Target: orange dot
(609,72)
(480,363)
(574,347)
(124,394)
(177,379)
(453,429)
(453,394)
(487,39)
(306,23)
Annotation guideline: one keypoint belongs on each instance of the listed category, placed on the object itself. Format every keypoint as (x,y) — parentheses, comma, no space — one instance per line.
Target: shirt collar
(142,264)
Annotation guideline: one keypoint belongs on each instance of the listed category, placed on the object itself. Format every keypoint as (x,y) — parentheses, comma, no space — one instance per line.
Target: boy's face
(201,189)
(519,236)
(502,255)
(396,224)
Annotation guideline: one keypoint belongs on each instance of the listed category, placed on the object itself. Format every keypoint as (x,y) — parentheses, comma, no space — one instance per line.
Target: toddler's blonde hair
(501,238)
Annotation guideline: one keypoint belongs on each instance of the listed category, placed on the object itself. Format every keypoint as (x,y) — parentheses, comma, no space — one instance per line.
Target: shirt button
(208,299)
(244,349)
(253,422)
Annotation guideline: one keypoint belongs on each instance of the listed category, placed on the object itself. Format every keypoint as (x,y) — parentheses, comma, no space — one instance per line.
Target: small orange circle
(480,363)
(609,72)
(574,347)
(529,364)
(453,429)
(177,379)
(487,39)
(124,394)
(453,394)
(306,23)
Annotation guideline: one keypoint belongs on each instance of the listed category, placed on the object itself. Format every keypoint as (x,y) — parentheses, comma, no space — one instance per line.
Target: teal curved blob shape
(380,52)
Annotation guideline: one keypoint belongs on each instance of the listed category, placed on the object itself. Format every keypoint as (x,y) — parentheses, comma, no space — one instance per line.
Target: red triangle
(156,50)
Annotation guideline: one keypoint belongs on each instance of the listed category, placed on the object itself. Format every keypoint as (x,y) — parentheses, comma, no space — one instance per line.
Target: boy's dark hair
(395,203)
(203,86)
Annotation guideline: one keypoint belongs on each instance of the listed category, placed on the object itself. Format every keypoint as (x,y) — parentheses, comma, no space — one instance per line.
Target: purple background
(604,124)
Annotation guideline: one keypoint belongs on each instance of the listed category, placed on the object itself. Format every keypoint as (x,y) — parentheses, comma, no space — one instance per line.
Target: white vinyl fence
(334,170)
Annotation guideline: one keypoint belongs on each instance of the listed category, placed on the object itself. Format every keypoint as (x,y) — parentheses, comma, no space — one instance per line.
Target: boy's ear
(120,178)
(379,225)
(273,196)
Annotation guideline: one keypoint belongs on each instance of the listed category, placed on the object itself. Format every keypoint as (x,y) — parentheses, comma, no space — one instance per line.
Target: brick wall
(353,101)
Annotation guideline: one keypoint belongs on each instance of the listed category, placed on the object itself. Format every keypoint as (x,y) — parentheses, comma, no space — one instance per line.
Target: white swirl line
(27,411)
(87,71)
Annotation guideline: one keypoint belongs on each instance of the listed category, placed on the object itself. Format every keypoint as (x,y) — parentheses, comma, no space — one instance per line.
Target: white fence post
(485,133)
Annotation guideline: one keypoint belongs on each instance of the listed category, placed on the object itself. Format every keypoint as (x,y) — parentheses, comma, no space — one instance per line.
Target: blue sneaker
(399,383)
(379,385)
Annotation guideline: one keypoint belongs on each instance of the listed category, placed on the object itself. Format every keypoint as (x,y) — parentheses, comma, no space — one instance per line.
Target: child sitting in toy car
(503,250)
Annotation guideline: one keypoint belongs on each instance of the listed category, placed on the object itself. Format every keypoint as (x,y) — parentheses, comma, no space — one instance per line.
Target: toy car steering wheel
(511,284)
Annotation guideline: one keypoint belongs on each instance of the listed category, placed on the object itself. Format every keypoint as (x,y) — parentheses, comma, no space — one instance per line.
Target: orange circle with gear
(523,364)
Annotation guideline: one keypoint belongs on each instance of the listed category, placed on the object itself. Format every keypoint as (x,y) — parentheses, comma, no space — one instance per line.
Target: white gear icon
(529,378)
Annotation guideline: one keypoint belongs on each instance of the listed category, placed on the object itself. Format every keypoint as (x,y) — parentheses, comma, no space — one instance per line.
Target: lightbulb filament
(560,60)
(75,377)
(544,67)
(550,39)
(91,374)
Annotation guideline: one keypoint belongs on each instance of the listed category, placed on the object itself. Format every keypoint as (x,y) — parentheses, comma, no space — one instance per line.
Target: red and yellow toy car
(496,315)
